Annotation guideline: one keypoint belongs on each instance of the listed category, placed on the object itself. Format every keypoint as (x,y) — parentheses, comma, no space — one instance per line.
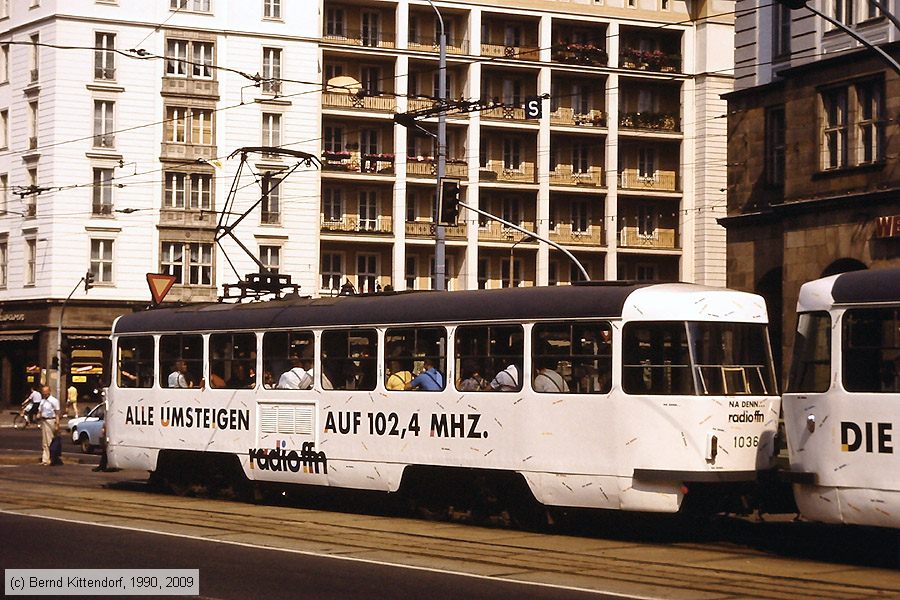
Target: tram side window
(490,358)
(811,361)
(871,350)
(656,360)
(572,358)
(288,360)
(180,360)
(415,358)
(134,357)
(349,359)
(232,360)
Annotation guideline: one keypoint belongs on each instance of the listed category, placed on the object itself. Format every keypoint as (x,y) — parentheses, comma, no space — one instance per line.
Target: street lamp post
(440,274)
(59,344)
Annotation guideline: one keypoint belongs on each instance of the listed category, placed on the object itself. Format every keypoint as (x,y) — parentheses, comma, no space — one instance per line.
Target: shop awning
(18,335)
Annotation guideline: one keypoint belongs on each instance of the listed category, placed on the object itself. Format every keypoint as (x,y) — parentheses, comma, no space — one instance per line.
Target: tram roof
(557,302)
(870,285)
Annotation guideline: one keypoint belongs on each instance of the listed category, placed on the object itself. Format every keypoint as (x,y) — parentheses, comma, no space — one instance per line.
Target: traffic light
(88,280)
(449,201)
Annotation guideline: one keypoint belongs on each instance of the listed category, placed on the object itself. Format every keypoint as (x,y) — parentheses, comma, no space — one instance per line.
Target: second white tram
(841,404)
(657,390)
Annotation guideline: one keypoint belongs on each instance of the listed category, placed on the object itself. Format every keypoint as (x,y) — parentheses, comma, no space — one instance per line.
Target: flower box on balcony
(336,156)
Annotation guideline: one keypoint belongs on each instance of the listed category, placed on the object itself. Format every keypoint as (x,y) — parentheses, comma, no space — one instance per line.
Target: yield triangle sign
(159,285)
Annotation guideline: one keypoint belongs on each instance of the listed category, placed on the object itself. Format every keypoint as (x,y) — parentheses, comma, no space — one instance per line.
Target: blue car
(88,431)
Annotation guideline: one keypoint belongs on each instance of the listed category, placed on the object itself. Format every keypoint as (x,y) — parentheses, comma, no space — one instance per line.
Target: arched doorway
(843,265)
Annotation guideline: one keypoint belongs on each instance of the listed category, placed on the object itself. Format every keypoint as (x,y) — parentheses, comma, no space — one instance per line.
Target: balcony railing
(497,171)
(650,60)
(581,54)
(508,113)
(352,223)
(425,229)
(632,237)
(428,168)
(566,175)
(358,101)
(661,121)
(358,38)
(632,179)
(566,235)
(520,52)
(354,162)
(423,43)
(568,116)
(496,232)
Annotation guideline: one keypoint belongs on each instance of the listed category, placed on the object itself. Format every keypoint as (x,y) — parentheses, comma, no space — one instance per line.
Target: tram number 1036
(746,441)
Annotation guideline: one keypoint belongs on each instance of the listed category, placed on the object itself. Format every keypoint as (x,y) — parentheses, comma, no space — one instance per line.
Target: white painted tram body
(669,385)
(840,407)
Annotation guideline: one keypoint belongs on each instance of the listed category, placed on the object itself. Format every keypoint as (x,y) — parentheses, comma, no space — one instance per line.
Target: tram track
(619,564)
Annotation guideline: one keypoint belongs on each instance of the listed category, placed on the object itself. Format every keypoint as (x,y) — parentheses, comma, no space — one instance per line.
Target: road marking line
(334,556)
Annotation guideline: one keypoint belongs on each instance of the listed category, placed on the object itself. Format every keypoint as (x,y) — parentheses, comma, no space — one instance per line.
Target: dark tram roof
(561,302)
(875,285)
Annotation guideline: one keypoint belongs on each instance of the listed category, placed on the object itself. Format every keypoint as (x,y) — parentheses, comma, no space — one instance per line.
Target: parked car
(87,431)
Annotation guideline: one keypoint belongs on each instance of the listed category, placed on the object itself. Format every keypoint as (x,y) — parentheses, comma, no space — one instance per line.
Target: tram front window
(871,350)
(811,363)
(731,358)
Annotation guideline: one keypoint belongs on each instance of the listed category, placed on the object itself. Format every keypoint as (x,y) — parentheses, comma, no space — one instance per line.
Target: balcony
(565,235)
(497,232)
(503,51)
(425,229)
(653,121)
(181,217)
(343,100)
(650,60)
(656,239)
(568,116)
(496,171)
(659,181)
(368,39)
(581,54)
(505,113)
(566,175)
(187,152)
(424,44)
(354,162)
(427,167)
(185,86)
(352,223)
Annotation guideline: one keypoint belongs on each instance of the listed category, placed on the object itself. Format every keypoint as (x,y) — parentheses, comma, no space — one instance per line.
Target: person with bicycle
(30,405)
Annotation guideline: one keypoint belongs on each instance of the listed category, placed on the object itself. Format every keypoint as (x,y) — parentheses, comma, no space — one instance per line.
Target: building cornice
(777,212)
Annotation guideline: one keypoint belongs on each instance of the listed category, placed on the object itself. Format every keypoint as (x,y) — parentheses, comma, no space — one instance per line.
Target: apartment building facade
(813,175)
(120,117)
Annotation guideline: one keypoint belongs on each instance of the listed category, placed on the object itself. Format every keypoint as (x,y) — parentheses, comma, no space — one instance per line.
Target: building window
(774,149)
(834,131)
(332,205)
(192,5)
(271,129)
(842,11)
(553,273)
(4,193)
(511,211)
(370,33)
(105,56)
(647,163)
(512,155)
(103,124)
(201,126)
(581,163)
(201,191)
(483,273)
(645,272)
(175,128)
(781,30)
(271,70)
(368,211)
(4,129)
(4,63)
(102,261)
(366,273)
(4,264)
(270,257)
(30,198)
(648,218)
(271,199)
(332,271)
(30,261)
(197,271)
(35,62)
(33,125)
(412,272)
(272,9)
(202,53)
(4,9)
(175,190)
(870,121)
(103,192)
(181,120)
(335,22)
(176,55)
(334,139)
(516,279)
(581,219)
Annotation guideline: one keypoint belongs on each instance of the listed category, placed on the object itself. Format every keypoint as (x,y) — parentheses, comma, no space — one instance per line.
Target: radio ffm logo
(281,459)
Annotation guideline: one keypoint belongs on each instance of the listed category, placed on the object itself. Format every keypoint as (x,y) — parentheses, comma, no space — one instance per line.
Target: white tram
(841,404)
(656,390)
